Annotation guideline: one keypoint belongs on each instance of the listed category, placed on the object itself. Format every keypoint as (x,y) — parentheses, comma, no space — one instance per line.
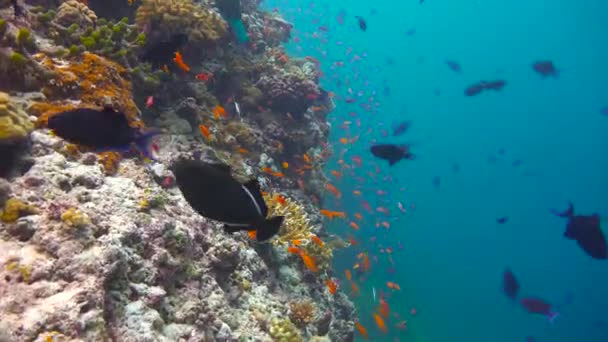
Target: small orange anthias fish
(242,150)
(331,214)
(219,111)
(361,329)
(380,323)
(317,240)
(204,76)
(281,199)
(307,259)
(393,286)
(354,226)
(278,174)
(349,276)
(306,158)
(285,165)
(179,61)
(357,192)
(204,131)
(252,234)
(331,286)
(344,141)
(331,188)
(355,288)
(297,242)
(336,174)
(358,216)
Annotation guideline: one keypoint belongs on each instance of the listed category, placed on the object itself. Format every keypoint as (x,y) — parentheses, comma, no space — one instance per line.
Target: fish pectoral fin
(269,228)
(392,162)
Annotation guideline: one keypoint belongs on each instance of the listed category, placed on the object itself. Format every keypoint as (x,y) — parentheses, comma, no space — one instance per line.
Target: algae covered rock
(181,16)
(14,122)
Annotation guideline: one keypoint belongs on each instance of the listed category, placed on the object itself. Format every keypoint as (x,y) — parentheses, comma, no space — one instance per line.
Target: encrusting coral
(14,209)
(181,16)
(75,12)
(283,330)
(14,122)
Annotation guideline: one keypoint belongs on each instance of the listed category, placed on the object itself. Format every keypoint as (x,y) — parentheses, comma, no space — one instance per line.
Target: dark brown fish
(502,220)
(586,231)
(392,153)
(545,68)
(539,306)
(510,286)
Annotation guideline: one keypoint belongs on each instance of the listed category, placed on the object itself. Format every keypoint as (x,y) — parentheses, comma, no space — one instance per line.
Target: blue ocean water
(454,252)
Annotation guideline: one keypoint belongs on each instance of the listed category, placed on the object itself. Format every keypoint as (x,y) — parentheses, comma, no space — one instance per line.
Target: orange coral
(109,161)
(91,80)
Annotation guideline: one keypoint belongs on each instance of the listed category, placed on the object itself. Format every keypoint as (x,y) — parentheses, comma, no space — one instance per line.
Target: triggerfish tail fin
(568,213)
(239,30)
(268,228)
(145,144)
(552,316)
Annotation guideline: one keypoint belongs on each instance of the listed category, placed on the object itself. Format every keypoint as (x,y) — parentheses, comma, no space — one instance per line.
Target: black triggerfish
(211,190)
(102,130)
(585,229)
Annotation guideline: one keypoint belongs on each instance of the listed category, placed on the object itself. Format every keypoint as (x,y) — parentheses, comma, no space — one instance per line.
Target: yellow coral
(110,161)
(25,271)
(301,313)
(14,209)
(296,224)
(75,218)
(182,16)
(282,330)
(14,122)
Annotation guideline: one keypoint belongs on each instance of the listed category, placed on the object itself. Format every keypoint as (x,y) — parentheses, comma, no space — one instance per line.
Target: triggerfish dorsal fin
(253,187)
(566,214)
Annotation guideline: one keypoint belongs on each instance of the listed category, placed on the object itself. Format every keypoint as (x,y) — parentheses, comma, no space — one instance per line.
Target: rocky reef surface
(102,246)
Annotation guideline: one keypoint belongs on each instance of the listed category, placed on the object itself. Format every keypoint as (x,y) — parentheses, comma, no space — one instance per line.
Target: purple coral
(288,93)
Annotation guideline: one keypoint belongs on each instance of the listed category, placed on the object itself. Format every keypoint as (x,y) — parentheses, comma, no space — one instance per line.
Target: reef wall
(102,246)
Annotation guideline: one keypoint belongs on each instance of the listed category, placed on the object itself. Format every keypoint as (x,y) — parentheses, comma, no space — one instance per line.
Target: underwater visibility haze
(303,170)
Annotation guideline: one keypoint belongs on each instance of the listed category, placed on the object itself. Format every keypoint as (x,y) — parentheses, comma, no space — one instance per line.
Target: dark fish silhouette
(539,306)
(102,130)
(162,52)
(604,111)
(502,220)
(453,65)
(17,9)
(510,286)
(212,191)
(479,87)
(400,128)
(437,182)
(586,231)
(362,23)
(545,68)
(392,153)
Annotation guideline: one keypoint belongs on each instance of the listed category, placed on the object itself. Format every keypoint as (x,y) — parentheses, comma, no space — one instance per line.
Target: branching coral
(296,224)
(302,313)
(14,123)
(283,330)
(181,16)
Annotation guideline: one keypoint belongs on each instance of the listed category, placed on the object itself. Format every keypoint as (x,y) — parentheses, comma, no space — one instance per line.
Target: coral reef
(181,16)
(285,331)
(14,122)
(94,247)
